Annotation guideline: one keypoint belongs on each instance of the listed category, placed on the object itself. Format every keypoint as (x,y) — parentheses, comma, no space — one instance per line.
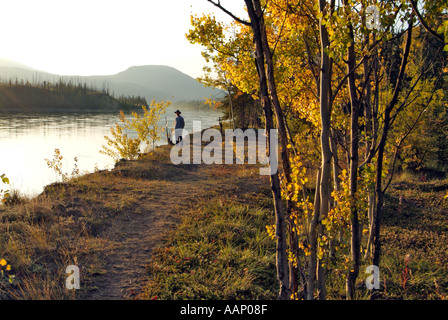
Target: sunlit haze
(96,37)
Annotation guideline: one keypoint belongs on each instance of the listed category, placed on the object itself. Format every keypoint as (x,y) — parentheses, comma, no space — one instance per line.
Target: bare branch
(218,5)
(411,128)
(424,24)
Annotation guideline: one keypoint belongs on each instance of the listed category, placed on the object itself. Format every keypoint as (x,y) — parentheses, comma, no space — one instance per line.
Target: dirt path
(134,234)
(164,192)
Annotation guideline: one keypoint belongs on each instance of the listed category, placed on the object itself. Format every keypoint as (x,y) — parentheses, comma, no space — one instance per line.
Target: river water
(27,139)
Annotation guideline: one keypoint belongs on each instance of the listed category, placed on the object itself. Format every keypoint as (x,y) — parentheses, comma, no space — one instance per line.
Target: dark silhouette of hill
(150,81)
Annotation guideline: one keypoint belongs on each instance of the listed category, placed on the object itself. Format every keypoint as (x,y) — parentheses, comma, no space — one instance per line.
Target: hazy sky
(93,37)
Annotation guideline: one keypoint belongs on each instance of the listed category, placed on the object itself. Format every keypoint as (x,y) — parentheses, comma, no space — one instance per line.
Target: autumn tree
(335,88)
(144,125)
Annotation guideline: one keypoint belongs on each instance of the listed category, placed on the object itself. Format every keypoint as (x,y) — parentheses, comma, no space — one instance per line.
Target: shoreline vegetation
(76,222)
(148,229)
(71,96)
(62,96)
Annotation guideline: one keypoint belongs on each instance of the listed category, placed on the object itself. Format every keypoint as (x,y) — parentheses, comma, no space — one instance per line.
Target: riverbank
(149,229)
(108,223)
(27,139)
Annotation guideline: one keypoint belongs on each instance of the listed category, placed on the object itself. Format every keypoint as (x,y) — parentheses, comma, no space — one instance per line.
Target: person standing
(179,126)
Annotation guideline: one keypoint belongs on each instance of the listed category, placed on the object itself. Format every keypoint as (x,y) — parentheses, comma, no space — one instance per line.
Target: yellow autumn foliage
(121,146)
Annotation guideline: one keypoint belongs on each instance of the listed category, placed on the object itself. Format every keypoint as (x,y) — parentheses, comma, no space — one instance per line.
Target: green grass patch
(220,251)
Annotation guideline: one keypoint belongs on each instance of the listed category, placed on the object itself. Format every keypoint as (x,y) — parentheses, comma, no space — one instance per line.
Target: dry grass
(106,222)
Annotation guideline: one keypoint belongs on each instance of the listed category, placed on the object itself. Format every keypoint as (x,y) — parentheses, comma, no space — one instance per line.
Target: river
(27,139)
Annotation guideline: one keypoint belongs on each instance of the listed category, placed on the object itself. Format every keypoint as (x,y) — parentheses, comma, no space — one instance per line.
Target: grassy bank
(108,223)
(220,251)
(149,229)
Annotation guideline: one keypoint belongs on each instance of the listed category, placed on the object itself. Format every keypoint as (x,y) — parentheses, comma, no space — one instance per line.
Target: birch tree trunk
(372,129)
(283,135)
(312,264)
(324,90)
(336,180)
(354,159)
(257,25)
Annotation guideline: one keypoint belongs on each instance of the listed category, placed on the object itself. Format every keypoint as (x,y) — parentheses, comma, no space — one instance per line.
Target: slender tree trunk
(257,25)
(354,159)
(370,133)
(324,90)
(312,264)
(371,146)
(382,147)
(369,138)
(231,107)
(336,179)
(379,193)
(334,153)
(286,165)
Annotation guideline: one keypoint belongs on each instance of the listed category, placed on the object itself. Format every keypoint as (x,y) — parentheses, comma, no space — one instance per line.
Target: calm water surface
(27,139)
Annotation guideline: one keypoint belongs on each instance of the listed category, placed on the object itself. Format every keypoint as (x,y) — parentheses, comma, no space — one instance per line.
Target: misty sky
(93,37)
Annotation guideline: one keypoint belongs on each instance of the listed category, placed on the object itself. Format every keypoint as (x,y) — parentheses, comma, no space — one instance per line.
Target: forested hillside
(62,96)
(148,81)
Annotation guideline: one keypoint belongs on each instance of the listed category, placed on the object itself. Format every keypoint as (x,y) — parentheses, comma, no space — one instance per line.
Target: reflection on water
(26,139)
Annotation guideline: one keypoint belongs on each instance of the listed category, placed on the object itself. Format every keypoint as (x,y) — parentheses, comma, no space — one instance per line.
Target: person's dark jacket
(180,123)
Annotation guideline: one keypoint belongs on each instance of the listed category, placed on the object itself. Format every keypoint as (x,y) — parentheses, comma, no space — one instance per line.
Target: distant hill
(150,81)
(13,64)
(159,82)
